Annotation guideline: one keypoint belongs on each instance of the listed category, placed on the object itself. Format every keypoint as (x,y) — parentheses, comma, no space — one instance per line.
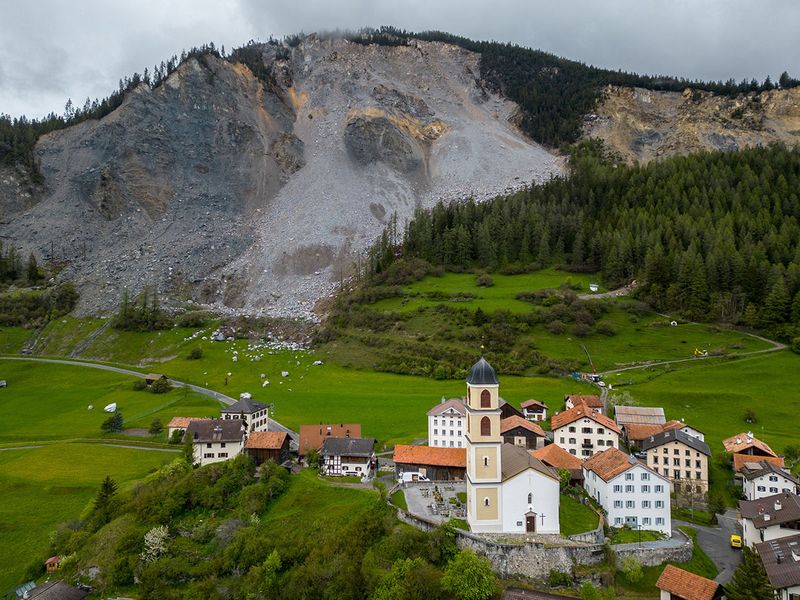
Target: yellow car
(736,541)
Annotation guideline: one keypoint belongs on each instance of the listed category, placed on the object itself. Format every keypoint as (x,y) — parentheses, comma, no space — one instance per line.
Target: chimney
(795,556)
(652,438)
(778,505)
(442,401)
(766,517)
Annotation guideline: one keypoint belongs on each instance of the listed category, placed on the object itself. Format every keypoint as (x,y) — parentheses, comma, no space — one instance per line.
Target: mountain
(256,192)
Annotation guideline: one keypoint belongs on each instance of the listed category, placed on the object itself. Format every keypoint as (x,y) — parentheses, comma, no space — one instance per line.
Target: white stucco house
(762,479)
(216,440)
(348,456)
(631,493)
(254,414)
(583,431)
(446,424)
(769,518)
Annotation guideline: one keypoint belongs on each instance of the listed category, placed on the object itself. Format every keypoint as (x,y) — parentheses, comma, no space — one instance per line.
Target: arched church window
(486,399)
(486,426)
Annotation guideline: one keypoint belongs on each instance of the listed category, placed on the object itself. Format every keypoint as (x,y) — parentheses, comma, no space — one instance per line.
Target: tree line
(712,236)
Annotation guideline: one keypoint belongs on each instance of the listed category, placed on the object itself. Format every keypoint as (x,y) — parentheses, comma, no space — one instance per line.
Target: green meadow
(42,487)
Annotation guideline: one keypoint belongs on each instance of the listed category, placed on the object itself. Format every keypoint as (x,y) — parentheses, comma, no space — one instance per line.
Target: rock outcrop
(641,125)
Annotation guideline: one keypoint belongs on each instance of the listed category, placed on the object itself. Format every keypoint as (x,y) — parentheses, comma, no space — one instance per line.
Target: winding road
(273,425)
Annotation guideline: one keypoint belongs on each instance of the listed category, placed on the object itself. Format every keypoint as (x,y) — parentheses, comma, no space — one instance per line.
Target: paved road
(716,543)
(273,425)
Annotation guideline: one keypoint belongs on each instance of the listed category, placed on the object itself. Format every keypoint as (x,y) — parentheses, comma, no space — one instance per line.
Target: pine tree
(750,580)
(32,270)
(776,304)
(103,502)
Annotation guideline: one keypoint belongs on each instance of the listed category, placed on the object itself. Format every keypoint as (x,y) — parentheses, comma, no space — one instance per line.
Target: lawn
(12,339)
(46,401)
(575,517)
(627,536)
(398,498)
(42,487)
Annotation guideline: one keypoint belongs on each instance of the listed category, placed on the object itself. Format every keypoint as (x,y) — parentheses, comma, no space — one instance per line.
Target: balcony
(587,444)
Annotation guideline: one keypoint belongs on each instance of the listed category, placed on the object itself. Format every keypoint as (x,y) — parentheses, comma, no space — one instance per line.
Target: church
(508,489)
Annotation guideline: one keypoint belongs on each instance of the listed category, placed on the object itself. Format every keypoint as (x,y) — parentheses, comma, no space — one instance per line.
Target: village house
(636,433)
(312,436)
(762,479)
(781,560)
(533,410)
(181,423)
(681,458)
(507,410)
(744,446)
(677,584)
(254,414)
(216,440)
(583,431)
(639,415)
(446,424)
(52,564)
(769,518)
(268,445)
(348,456)
(433,463)
(556,457)
(508,490)
(631,493)
(590,401)
(521,432)
(151,378)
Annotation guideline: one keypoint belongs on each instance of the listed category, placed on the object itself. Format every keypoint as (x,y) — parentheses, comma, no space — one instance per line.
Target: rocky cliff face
(642,125)
(256,196)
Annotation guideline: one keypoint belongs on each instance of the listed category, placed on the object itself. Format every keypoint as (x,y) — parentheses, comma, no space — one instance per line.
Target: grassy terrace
(575,517)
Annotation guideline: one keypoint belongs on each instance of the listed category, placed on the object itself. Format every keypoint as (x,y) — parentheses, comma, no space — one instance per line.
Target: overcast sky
(52,50)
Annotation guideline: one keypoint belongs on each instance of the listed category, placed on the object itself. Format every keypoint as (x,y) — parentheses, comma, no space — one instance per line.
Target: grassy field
(45,401)
(713,395)
(12,339)
(575,517)
(627,536)
(502,295)
(42,487)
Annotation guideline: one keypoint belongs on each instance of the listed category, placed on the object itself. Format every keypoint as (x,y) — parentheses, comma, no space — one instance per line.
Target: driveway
(715,541)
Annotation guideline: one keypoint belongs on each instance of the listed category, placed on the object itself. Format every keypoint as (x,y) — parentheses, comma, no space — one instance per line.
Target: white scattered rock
(284,373)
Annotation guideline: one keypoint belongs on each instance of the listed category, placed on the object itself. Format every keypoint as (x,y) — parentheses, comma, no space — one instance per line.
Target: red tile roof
(591,401)
(609,463)
(183,422)
(743,441)
(266,440)
(578,412)
(637,432)
(533,403)
(312,436)
(555,456)
(517,421)
(686,585)
(456,404)
(740,460)
(430,455)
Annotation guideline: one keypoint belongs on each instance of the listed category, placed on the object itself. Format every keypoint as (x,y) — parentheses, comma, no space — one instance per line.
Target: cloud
(54,50)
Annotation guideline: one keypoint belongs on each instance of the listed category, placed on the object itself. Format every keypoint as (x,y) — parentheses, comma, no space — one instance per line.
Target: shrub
(176,437)
(796,345)
(606,328)
(156,427)
(750,416)
(193,318)
(632,567)
(139,385)
(559,579)
(484,280)
(581,329)
(113,424)
(195,353)
(556,327)
(160,386)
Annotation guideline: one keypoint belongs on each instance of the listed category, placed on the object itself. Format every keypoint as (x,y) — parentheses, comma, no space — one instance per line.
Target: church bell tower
(483,445)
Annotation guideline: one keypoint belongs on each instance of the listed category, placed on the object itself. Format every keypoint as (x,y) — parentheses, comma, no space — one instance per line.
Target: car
(736,541)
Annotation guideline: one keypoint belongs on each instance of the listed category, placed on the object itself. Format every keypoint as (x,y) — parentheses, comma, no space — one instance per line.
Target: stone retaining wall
(651,554)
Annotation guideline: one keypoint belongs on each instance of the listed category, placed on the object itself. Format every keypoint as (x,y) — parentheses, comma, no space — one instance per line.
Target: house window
(761,488)
(571,440)
(773,478)
(486,401)
(222,444)
(687,453)
(617,520)
(436,421)
(676,462)
(659,504)
(530,498)
(601,443)
(617,488)
(572,451)
(486,501)
(773,490)
(451,443)
(435,432)
(645,489)
(452,433)
(459,443)
(646,521)
(645,476)
(486,426)
(617,503)
(561,440)
(600,430)
(208,445)
(586,452)
(676,451)
(222,455)
(697,465)
(665,451)
(435,442)
(659,520)
(628,476)
(630,504)
(659,489)
(208,455)
(628,489)
(645,503)
(572,430)
(586,430)
(610,443)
